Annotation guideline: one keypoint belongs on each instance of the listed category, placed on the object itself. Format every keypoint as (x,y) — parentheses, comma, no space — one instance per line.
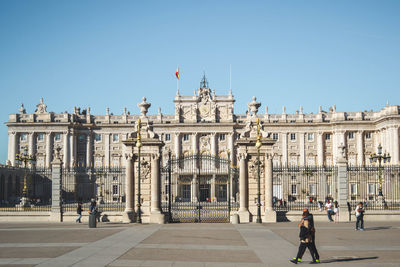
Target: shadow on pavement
(378,228)
(348,259)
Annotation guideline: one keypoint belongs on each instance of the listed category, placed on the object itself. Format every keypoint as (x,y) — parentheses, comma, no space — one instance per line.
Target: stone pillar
(338,140)
(194,144)
(284,137)
(106,150)
(72,143)
(66,150)
(213,198)
(177,145)
(302,149)
(156,216)
(360,148)
(89,150)
(194,191)
(56,177)
(129,190)
(49,149)
(320,148)
(395,156)
(12,147)
(232,147)
(342,189)
(270,213)
(244,213)
(31,143)
(213,144)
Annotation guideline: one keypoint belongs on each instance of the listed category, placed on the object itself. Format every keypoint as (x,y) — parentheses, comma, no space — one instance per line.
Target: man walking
(310,218)
(360,216)
(79,212)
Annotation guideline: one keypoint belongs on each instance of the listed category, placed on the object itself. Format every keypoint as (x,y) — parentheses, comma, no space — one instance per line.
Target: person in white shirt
(328,208)
(336,211)
(360,216)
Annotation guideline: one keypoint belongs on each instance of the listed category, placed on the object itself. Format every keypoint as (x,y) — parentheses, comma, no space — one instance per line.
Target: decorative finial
(144,106)
(320,109)
(125,111)
(253,106)
(301,109)
(204,82)
(283,110)
(266,110)
(107,111)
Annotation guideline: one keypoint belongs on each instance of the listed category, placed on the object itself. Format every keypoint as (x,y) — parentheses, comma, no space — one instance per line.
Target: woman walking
(79,212)
(336,211)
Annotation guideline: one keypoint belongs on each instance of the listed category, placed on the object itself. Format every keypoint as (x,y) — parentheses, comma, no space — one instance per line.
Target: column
(284,139)
(320,148)
(244,213)
(194,192)
(72,143)
(395,156)
(89,150)
(213,198)
(177,145)
(106,150)
(339,140)
(31,143)
(302,149)
(12,147)
(360,148)
(156,216)
(194,144)
(129,190)
(270,214)
(56,173)
(231,146)
(213,144)
(49,149)
(66,150)
(342,190)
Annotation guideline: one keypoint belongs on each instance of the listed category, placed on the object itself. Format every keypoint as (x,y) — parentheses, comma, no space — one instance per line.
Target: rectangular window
(57,137)
(167,137)
(115,189)
(329,189)
(82,138)
(186,192)
(185,137)
(115,137)
(275,136)
(221,137)
(371,189)
(23,137)
(327,136)
(353,189)
(310,137)
(351,135)
(97,137)
(313,189)
(292,136)
(40,137)
(294,189)
(368,135)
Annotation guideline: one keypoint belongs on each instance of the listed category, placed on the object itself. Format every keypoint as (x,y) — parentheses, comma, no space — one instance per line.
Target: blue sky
(112,53)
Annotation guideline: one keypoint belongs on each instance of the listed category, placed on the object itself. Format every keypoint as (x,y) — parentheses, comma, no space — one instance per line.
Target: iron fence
(365,183)
(299,187)
(38,189)
(105,185)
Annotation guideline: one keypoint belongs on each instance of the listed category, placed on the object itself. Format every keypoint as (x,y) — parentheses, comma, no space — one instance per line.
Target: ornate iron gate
(199,188)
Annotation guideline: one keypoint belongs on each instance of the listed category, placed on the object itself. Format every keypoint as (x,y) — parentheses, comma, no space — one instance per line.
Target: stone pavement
(114,244)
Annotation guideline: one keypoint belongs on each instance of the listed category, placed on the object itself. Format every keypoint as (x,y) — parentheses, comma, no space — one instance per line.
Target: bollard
(92,220)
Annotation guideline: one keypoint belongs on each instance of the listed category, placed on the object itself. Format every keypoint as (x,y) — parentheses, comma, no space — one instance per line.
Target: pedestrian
(320,205)
(336,211)
(360,216)
(310,219)
(328,208)
(79,212)
(305,240)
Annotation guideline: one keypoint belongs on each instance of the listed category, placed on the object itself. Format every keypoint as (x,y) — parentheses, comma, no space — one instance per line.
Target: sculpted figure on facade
(41,107)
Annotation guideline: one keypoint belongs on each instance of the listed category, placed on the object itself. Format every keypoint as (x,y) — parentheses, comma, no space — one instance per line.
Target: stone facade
(203,123)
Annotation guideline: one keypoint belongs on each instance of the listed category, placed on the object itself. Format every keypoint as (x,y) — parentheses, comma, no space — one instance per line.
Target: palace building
(204,123)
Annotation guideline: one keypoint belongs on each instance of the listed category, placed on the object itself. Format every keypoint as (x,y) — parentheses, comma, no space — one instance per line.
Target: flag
(177,73)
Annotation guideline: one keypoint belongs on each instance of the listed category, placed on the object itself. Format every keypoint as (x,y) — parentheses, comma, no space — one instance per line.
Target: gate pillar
(156,216)
(129,190)
(270,214)
(244,214)
(342,186)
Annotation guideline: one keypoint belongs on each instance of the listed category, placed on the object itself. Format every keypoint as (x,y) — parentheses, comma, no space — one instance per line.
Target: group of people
(332,209)
(93,209)
(307,231)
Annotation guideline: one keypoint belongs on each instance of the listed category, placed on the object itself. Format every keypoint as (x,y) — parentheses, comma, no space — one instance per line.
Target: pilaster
(129,190)
(270,213)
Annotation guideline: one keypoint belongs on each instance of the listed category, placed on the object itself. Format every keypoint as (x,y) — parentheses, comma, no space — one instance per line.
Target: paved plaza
(114,244)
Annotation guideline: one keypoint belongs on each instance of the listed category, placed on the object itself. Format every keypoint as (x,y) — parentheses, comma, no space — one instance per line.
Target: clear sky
(112,53)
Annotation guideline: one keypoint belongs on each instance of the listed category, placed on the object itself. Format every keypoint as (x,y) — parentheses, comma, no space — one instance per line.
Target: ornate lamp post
(25,158)
(379,157)
(258,146)
(139,146)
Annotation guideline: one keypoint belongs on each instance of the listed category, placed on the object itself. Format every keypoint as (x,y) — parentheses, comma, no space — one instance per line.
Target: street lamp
(139,146)
(25,158)
(379,157)
(258,146)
